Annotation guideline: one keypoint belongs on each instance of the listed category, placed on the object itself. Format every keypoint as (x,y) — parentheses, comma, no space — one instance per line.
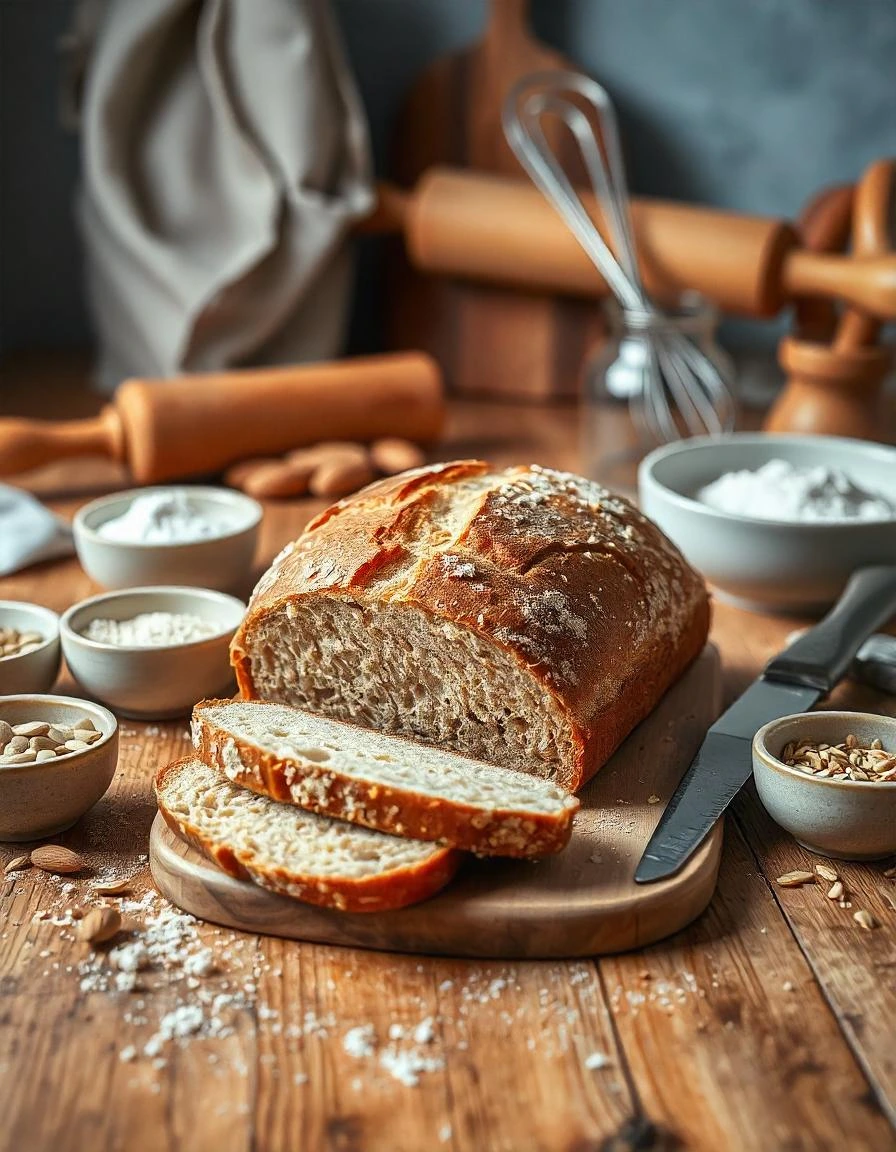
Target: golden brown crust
(579,588)
(387,892)
(401,813)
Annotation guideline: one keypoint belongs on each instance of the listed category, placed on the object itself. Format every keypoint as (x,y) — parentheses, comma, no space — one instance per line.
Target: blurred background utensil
(681,391)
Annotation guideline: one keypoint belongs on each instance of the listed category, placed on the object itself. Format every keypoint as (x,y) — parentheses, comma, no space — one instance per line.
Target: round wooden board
(582,902)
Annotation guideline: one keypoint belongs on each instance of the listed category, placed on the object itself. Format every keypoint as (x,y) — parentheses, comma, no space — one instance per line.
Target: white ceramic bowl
(221,562)
(159,682)
(846,819)
(768,564)
(34,671)
(40,800)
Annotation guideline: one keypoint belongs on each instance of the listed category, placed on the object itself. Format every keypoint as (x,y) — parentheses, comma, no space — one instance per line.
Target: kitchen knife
(792,682)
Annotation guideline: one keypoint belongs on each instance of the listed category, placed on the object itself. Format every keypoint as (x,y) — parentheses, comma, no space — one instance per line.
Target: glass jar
(616,430)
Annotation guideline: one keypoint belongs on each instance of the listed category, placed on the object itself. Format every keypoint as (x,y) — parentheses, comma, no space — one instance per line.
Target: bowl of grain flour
(775,522)
(151,653)
(178,534)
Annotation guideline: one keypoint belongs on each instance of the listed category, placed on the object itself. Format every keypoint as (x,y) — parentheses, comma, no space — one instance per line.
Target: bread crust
(381,893)
(585,594)
(400,812)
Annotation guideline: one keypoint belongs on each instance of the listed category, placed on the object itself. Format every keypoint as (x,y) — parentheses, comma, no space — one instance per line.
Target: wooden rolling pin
(501,230)
(194,425)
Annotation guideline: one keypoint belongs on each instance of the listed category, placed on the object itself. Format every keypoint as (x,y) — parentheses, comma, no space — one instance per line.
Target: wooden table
(767,1025)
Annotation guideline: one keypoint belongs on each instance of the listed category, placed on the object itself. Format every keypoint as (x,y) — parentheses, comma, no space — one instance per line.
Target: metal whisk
(683,392)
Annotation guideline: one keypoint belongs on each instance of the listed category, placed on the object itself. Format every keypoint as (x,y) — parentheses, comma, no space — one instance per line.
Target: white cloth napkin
(29,532)
(225,156)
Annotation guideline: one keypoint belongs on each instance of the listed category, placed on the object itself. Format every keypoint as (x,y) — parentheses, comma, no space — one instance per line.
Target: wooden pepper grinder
(835,386)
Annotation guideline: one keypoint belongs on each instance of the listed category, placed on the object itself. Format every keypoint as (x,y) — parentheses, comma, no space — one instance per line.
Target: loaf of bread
(525,617)
(382,782)
(280,847)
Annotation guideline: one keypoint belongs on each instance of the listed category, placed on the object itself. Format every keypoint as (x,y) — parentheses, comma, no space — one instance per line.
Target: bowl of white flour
(775,522)
(177,534)
(152,652)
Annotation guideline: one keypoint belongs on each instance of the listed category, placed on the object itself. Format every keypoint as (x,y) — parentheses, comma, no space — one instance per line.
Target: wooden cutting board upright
(581,902)
(489,341)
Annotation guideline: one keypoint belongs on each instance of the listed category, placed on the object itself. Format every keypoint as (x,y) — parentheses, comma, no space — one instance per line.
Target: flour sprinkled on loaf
(526,617)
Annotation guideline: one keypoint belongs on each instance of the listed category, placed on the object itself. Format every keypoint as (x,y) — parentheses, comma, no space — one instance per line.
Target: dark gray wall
(752,105)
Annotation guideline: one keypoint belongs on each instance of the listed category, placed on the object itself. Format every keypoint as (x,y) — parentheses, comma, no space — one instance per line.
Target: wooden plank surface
(765,1025)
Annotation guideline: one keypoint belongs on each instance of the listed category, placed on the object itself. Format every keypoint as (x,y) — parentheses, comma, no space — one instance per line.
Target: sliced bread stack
(345,817)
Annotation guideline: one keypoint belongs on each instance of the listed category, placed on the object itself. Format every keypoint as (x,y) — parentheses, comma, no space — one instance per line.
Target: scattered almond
(393,454)
(56,858)
(890,873)
(864,919)
(17,864)
(836,890)
(826,872)
(111,887)
(279,480)
(795,879)
(339,477)
(237,474)
(100,924)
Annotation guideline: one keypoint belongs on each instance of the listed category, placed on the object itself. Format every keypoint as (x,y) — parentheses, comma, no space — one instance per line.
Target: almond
(17,864)
(111,887)
(238,474)
(335,478)
(393,455)
(100,924)
(56,858)
(279,480)
(326,451)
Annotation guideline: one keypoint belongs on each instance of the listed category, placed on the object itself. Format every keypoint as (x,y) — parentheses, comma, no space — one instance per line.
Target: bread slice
(296,853)
(382,781)
(524,617)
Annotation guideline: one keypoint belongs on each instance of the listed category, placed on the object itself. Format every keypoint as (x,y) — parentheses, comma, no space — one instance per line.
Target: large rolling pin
(502,230)
(195,425)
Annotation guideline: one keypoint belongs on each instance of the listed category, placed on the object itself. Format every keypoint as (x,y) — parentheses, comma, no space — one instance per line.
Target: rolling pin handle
(27,444)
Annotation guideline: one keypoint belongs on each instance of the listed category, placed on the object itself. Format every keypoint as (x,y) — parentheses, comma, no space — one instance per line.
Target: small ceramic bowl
(158,682)
(845,819)
(774,565)
(222,562)
(34,671)
(40,800)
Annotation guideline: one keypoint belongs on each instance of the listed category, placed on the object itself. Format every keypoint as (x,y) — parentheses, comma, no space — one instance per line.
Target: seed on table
(32,728)
(890,872)
(836,890)
(864,919)
(795,879)
(17,864)
(826,872)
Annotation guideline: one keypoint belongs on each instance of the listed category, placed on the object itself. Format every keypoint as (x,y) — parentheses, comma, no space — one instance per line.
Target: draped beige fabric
(225,155)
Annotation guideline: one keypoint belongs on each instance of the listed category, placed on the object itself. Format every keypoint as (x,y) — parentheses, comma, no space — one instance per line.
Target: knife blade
(792,682)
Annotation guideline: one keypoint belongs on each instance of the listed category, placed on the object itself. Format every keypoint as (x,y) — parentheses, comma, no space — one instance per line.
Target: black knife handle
(821,657)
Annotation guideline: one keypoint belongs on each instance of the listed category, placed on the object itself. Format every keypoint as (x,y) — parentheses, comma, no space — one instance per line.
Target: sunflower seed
(826,872)
(864,919)
(836,890)
(794,879)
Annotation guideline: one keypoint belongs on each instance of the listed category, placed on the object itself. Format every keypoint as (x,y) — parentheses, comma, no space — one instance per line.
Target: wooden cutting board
(582,902)
(488,341)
